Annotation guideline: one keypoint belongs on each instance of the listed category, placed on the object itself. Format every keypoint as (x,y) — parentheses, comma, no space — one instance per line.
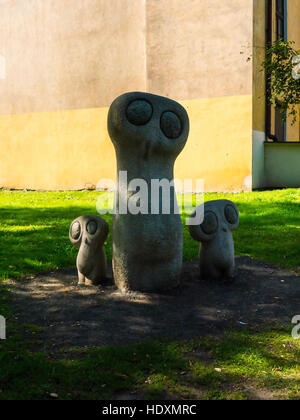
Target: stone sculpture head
(151,124)
(88,234)
(90,230)
(221,218)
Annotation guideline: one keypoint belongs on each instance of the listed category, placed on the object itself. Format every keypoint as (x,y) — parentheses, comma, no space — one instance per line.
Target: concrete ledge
(282,165)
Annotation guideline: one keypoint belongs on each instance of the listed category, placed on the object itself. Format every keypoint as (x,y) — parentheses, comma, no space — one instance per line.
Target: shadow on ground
(78,316)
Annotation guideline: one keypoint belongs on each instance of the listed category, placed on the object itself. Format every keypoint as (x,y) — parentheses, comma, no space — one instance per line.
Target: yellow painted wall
(55,150)
(258,90)
(259,43)
(72,150)
(66,61)
(293,34)
(219,148)
(65,64)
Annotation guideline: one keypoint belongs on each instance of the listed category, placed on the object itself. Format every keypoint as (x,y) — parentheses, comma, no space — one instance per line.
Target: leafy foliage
(285,90)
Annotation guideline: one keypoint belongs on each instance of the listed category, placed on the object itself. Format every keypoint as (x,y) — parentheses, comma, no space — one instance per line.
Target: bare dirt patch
(79,316)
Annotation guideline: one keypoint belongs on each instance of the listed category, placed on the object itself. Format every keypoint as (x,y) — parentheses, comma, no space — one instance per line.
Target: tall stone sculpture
(216,253)
(88,234)
(148,133)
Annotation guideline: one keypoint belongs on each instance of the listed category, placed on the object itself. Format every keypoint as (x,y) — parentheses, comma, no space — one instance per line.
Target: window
(280,127)
(280,19)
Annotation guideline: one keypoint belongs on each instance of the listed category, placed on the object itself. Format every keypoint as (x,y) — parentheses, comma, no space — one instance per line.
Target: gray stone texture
(88,234)
(148,133)
(216,252)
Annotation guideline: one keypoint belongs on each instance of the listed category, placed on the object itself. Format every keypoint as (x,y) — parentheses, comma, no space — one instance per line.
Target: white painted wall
(258,159)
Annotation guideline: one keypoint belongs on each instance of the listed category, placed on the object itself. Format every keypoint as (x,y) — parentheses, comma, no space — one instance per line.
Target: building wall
(201,52)
(70,54)
(264,171)
(282,167)
(66,60)
(259,102)
(282,159)
(293,34)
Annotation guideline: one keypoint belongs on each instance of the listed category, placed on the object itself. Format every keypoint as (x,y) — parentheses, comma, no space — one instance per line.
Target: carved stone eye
(75,230)
(170,125)
(231,214)
(139,112)
(91,227)
(210,224)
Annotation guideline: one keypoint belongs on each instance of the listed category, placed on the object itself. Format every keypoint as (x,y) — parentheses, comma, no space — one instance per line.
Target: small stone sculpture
(88,234)
(221,218)
(148,133)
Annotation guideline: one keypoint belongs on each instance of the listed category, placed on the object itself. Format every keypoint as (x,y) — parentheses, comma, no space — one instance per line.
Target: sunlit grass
(34,228)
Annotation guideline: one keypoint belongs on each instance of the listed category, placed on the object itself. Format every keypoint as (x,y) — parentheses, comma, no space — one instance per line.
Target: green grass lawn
(241,365)
(34,228)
